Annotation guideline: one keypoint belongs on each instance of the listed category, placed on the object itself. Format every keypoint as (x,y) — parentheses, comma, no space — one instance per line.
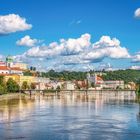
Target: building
(20,65)
(81,84)
(10,70)
(114,84)
(100,83)
(8,67)
(68,85)
(2,63)
(38,81)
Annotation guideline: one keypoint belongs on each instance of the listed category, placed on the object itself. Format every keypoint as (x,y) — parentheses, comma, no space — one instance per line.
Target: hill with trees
(126,75)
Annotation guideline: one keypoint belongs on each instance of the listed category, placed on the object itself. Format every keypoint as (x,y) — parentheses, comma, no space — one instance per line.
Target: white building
(100,83)
(9,67)
(69,85)
(7,70)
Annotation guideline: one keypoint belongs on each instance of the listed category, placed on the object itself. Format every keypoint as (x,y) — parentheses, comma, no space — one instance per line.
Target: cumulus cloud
(83,48)
(137,13)
(106,47)
(12,23)
(106,41)
(27,41)
(64,47)
(74,52)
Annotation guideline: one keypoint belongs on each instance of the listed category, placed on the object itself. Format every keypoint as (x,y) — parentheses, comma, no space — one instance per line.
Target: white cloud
(2,57)
(137,13)
(27,41)
(76,53)
(12,23)
(136,58)
(106,47)
(75,22)
(106,41)
(135,67)
(64,47)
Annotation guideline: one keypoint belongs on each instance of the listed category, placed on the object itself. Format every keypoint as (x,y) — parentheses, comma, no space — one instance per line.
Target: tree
(92,85)
(25,85)
(3,88)
(33,86)
(12,86)
(58,88)
(138,87)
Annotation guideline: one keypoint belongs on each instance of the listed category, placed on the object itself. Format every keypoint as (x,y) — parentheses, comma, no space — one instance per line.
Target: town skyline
(73,35)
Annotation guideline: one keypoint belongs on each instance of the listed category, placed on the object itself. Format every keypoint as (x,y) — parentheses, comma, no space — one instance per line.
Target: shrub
(12,86)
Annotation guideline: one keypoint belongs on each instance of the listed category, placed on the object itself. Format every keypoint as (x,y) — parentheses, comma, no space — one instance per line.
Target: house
(100,83)
(81,84)
(68,85)
(10,70)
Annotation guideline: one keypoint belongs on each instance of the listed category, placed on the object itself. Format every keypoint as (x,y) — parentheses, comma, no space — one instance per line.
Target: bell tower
(9,61)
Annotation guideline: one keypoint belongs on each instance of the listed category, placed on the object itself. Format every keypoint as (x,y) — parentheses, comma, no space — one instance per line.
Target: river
(68,118)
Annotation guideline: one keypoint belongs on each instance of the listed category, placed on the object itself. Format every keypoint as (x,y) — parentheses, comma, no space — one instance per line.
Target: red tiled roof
(99,78)
(16,68)
(12,68)
(4,68)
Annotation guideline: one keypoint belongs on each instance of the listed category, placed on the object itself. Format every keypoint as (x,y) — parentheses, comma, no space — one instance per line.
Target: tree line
(127,75)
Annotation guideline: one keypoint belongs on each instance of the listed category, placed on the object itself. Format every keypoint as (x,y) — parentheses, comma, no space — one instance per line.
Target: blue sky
(53,20)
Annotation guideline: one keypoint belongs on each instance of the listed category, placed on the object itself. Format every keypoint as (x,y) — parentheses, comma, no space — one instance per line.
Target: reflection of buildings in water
(19,108)
(98,105)
(15,109)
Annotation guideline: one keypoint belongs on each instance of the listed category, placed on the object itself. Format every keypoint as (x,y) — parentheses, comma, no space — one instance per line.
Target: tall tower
(9,61)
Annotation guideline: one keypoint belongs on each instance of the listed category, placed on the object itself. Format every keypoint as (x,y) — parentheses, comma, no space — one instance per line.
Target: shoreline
(96,96)
(11,95)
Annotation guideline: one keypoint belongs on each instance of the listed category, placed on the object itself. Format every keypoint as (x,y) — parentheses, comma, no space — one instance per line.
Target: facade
(2,63)
(8,67)
(69,85)
(10,70)
(20,65)
(114,84)
(81,84)
(38,81)
(100,83)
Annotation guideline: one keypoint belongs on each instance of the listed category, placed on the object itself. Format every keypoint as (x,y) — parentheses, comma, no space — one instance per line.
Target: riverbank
(11,96)
(96,94)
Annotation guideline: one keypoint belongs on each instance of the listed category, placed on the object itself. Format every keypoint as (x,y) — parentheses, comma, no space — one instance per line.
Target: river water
(68,118)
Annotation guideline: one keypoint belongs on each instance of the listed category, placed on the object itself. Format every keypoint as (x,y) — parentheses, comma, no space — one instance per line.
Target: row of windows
(4,72)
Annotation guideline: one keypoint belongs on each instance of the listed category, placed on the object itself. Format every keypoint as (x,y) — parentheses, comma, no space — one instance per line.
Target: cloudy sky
(71,34)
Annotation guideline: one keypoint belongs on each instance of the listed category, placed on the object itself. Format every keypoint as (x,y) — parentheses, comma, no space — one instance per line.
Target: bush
(33,86)
(25,85)
(2,90)
(12,86)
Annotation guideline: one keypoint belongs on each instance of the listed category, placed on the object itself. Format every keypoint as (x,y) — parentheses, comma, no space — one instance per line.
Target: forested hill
(126,75)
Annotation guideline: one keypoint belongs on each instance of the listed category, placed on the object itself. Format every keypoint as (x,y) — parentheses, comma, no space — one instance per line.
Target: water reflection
(68,117)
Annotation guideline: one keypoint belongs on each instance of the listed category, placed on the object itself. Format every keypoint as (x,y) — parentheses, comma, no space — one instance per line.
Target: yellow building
(20,79)
(39,81)
(15,77)
(28,79)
